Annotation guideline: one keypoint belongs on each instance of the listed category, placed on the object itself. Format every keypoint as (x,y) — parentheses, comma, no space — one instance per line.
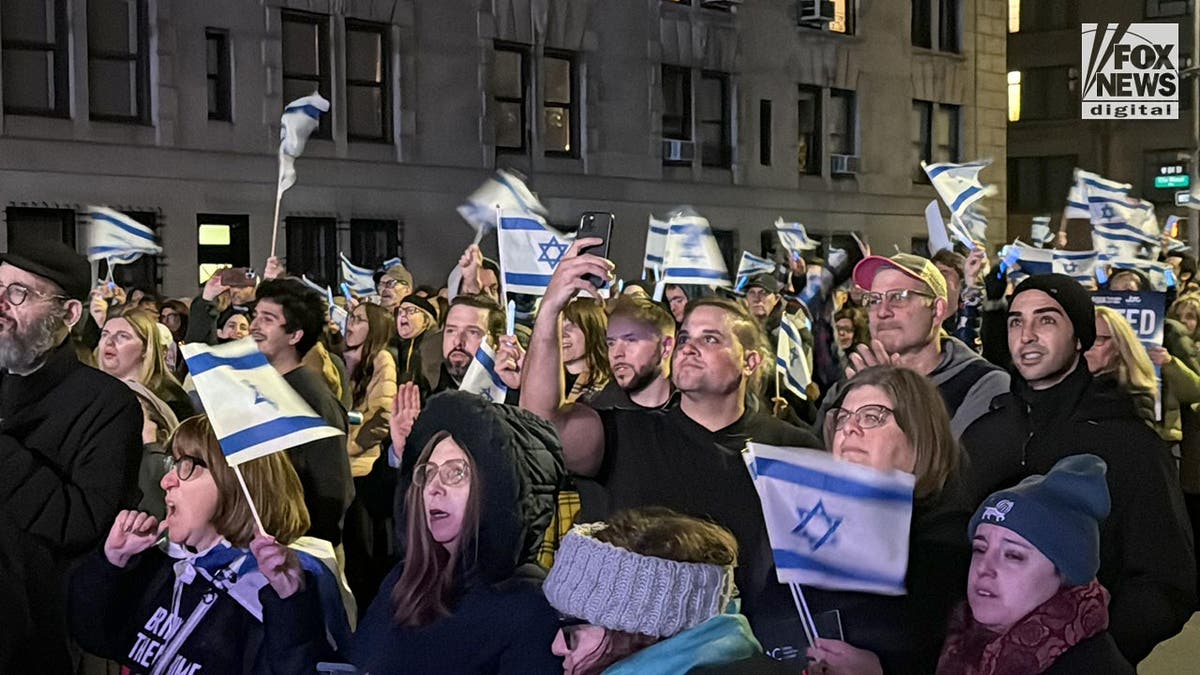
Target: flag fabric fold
(750,266)
(692,255)
(656,245)
(1039,231)
(117,238)
(958,184)
(793,361)
(300,118)
(253,410)
(939,238)
(481,377)
(359,279)
(529,252)
(794,237)
(833,524)
(502,191)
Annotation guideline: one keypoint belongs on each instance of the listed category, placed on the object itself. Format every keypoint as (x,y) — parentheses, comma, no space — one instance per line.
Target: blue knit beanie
(1059,513)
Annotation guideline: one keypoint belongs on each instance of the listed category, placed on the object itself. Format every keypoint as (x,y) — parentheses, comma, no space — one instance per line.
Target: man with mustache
(70,440)
(470,320)
(907,301)
(1055,409)
(641,338)
(686,457)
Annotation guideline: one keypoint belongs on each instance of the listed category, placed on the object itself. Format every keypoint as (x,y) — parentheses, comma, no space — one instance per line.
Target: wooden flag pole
(246,491)
(275,222)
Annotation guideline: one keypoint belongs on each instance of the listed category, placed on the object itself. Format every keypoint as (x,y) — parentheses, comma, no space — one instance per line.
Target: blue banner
(1146,312)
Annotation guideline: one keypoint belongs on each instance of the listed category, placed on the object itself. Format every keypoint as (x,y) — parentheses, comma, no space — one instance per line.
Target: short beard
(22,353)
(641,380)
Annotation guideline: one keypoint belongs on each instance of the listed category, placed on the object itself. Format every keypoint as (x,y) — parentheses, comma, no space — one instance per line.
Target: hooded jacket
(1146,558)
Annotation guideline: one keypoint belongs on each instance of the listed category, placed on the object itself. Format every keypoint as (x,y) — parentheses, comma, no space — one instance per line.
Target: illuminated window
(1014,16)
(1014,95)
(214,235)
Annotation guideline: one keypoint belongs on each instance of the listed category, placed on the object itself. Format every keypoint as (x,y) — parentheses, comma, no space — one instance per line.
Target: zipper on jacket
(1028,438)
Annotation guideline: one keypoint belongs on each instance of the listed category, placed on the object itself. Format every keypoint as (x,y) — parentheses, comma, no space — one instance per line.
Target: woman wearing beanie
(1033,602)
(647,592)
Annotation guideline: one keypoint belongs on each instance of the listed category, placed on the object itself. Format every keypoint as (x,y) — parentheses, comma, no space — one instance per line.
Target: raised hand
(132,532)
(470,263)
(274,268)
(509,360)
(975,266)
(865,356)
(279,564)
(213,287)
(405,408)
(567,280)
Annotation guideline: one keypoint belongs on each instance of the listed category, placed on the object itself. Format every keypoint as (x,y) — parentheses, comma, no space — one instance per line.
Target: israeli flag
(958,184)
(360,279)
(1118,240)
(1079,265)
(117,238)
(1040,231)
(529,253)
(1160,274)
(390,263)
(794,237)
(253,410)
(503,191)
(792,360)
(336,314)
(1077,207)
(939,239)
(751,265)
(656,245)
(300,119)
(1094,185)
(833,524)
(692,255)
(481,377)
(1021,261)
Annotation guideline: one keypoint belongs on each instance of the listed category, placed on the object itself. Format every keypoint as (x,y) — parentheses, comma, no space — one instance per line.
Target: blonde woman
(1118,354)
(129,349)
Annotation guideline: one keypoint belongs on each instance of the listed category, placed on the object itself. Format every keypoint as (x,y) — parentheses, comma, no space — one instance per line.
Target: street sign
(1182,197)
(1172,181)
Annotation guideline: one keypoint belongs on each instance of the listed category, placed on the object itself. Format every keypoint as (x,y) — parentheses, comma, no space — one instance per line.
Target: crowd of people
(601,517)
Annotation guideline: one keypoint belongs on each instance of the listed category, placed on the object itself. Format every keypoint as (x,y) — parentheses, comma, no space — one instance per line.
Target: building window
(223,240)
(306,62)
(946,133)
(373,241)
(935,135)
(843,17)
(809,111)
(949,26)
(510,81)
(1014,95)
(559,120)
(1039,15)
(33,50)
(368,82)
(1048,93)
(764,132)
(220,75)
(713,117)
(118,33)
(1014,16)
(922,23)
(677,103)
(937,24)
(26,224)
(312,248)
(1039,184)
(922,120)
(842,139)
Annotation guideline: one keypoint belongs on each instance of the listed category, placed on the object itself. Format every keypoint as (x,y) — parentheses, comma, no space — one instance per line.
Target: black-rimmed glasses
(185,465)
(16,294)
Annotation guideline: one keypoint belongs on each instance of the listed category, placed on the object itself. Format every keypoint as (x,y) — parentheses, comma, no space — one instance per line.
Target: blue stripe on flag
(786,327)
(526,279)
(689,228)
(697,272)
(820,480)
(654,258)
(490,366)
(658,230)
(938,169)
(785,368)
(280,426)
(308,109)
(123,226)
(791,560)
(964,196)
(118,250)
(511,223)
(206,361)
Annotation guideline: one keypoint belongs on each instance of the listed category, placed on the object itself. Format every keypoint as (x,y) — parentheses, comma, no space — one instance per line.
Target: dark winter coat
(322,465)
(70,447)
(1095,655)
(1146,558)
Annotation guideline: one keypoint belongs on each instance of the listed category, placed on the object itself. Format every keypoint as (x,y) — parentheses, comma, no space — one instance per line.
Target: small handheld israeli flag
(1117,240)
(1039,231)
(390,263)
(117,238)
(300,118)
(958,184)
(939,239)
(750,266)
(833,524)
(529,252)
(656,245)
(503,191)
(1021,261)
(1079,265)
(793,237)
(792,360)
(360,279)
(481,377)
(253,410)
(1077,207)
(692,255)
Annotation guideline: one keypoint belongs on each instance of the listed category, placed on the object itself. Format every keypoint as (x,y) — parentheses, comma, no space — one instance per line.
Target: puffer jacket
(377,403)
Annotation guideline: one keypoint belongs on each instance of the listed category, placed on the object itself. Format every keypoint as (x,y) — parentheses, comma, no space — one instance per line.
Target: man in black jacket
(1055,409)
(70,440)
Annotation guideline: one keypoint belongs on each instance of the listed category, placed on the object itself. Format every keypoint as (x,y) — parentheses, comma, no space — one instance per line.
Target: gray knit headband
(621,590)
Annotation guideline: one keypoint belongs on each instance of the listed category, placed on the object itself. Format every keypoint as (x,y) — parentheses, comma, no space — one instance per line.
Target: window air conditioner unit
(843,165)
(678,151)
(816,11)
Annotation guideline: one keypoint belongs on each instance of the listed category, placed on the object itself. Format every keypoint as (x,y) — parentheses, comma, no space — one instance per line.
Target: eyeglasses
(16,294)
(866,417)
(185,465)
(391,283)
(451,473)
(408,310)
(899,298)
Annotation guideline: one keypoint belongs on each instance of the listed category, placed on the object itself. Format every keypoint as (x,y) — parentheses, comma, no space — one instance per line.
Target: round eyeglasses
(185,465)
(16,294)
(866,417)
(452,472)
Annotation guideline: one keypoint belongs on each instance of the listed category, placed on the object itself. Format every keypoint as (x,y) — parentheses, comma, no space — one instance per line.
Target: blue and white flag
(692,255)
(656,245)
(935,226)
(1077,207)
(390,263)
(794,238)
(503,191)
(833,524)
(1092,186)
(958,184)
(300,119)
(1040,232)
(360,280)
(750,266)
(791,358)
(481,377)
(1079,265)
(529,253)
(1160,274)
(336,314)
(253,410)
(117,238)
(1020,260)
(1120,240)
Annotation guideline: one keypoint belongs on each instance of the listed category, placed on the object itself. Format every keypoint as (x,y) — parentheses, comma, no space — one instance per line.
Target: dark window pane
(677,103)
(945,133)
(366,111)
(312,248)
(948,33)
(111,87)
(712,111)
(557,124)
(301,48)
(506,75)
(922,23)
(922,120)
(373,241)
(364,56)
(29,224)
(28,79)
(510,131)
(809,150)
(28,20)
(112,26)
(214,55)
(558,80)
(841,122)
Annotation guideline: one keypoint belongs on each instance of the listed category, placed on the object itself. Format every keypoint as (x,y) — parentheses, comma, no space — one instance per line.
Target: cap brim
(20,261)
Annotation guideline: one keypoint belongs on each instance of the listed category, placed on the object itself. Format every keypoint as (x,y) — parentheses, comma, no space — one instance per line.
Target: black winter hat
(1073,298)
(54,261)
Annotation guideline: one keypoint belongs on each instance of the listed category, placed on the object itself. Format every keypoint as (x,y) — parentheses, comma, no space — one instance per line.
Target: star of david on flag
(793,361)
(481,377)
(529,252)
(833,524)
(252,409)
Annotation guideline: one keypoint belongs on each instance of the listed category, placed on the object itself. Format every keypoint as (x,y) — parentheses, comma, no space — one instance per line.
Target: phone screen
(596,224)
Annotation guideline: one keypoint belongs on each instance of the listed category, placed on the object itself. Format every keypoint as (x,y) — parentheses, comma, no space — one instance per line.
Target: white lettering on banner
(144,650)
(1143,321)
(181,666)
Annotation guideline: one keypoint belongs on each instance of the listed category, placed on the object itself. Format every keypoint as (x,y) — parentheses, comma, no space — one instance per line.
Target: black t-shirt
(663,458)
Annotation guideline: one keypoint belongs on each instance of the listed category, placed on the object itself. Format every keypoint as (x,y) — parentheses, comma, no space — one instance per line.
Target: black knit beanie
(1073,298)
